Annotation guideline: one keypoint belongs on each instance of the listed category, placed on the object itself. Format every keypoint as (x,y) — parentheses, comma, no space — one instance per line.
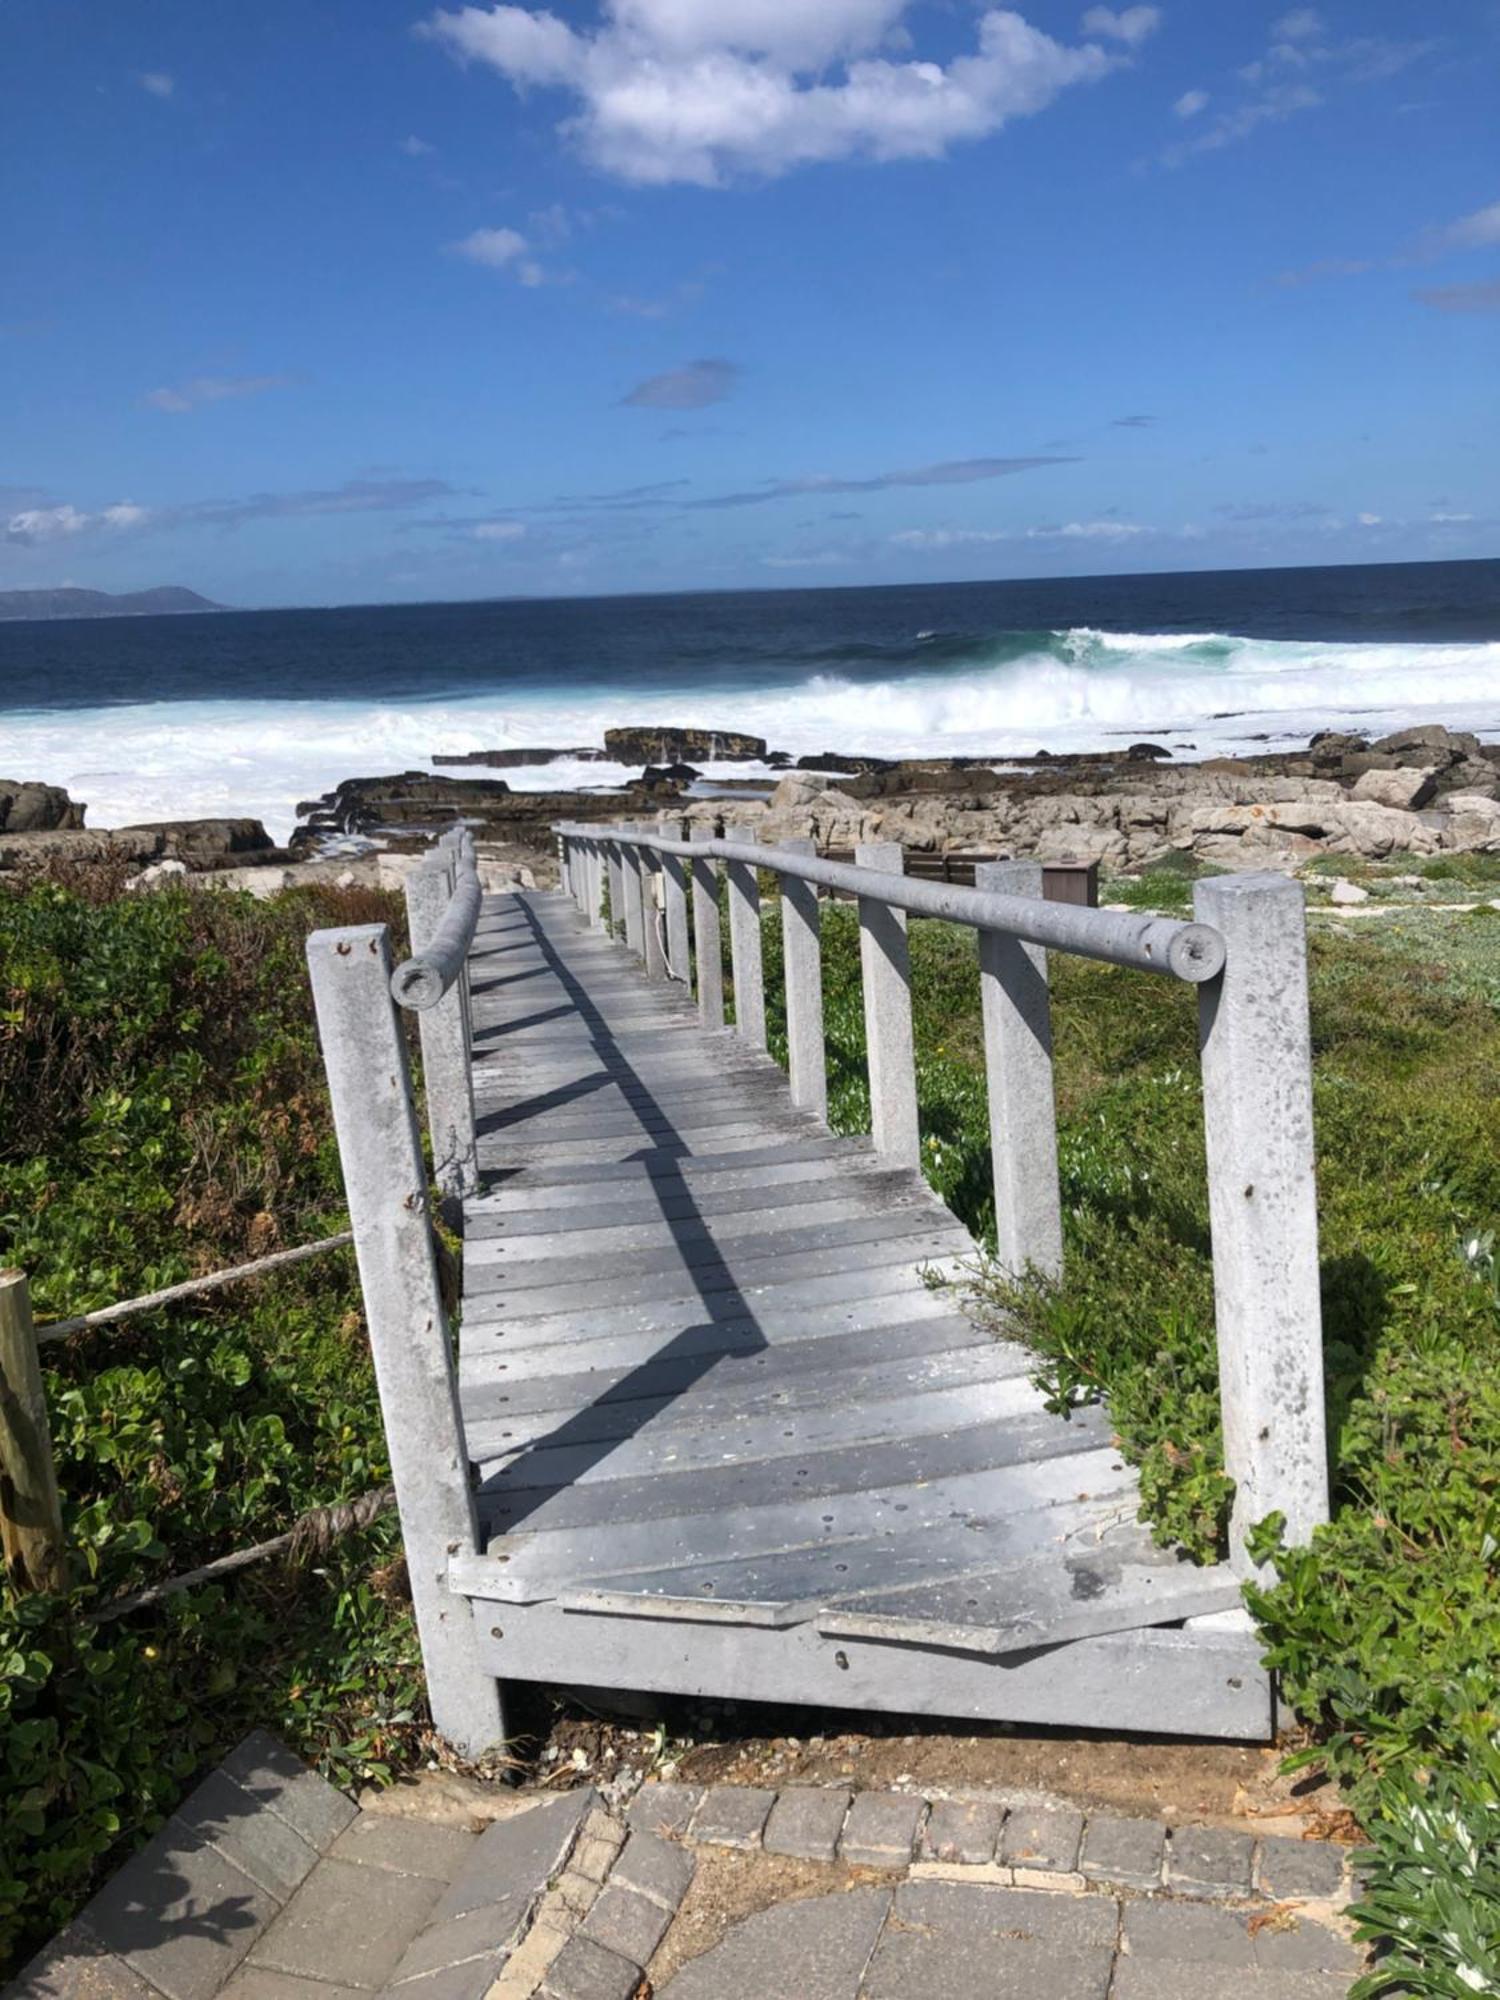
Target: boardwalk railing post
(652,910)
(707,943)
(386,1188)
(1017,1015)
(890,1049)
(674,883)
(563,864)
(745,960)
(596,884)
(1256,1049)
(802,957)
(31,1530)
(444,1029)
(635,930)
(616,886)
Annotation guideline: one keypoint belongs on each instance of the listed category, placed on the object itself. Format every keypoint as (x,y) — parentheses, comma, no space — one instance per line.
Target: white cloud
(498,531)
(415,148)
(156,82)
(57,524)
(1066,531)
(1090,531)
(182,396)
(502,250)
(674,90)
(1301,25)
(1471,232)
(1191,103)
(1368,520)
(949,538)
(1131,25)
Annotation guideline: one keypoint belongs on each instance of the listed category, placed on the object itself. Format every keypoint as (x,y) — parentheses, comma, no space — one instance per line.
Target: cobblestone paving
(269,1885)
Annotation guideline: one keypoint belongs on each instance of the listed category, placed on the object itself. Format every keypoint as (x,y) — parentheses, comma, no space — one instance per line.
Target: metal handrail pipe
(1187,951)
(422,981)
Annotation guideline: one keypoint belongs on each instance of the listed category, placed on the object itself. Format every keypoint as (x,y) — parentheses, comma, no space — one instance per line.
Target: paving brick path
(269,1885)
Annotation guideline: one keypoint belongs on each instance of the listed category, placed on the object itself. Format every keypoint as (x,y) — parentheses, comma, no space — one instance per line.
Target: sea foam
(1199,693)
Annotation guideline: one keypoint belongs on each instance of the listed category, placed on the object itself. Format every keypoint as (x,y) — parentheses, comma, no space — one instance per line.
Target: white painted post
(596,884)
(616,887)
(386,1188)
(802,958)
(563,864)
(1256,1048)
(1017,1015)
(444,1030)
(651,909)
(890,1050)
(745,962)
(635,933)
(707,943)
(674,883)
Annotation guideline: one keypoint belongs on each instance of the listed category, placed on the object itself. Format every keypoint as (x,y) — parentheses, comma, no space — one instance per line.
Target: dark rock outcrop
(202,845)
(670,746)
(513,760)
(33,808)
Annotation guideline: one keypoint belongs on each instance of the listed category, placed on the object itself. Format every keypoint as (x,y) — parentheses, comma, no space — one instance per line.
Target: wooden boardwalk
(727,1436)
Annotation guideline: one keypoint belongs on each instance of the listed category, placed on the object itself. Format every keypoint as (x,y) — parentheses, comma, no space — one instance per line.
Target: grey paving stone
(1309,1869)
(806,1821)
(489,1933)
(732,1815)
(518,1855)
(655,1868)
(1144,1979)
(813,1950)
(407,1846)
(1127,1851)
(269,1772)
(627,1923)
(251,1983)
(583,1970)
(992,1943)
(471,1980)
(352,1922)
(76,1966)
(1046,1840)
(1189,1933)
(664,1809)
(1208,1861)
(252,1835)
(967,1833)
(881,1829)
(180,1914)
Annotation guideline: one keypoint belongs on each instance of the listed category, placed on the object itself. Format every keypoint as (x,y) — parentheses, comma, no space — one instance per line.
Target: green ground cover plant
(164,1115)
(1386,1632)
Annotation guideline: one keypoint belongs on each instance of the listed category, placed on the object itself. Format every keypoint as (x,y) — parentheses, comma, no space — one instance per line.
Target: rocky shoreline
(1420,791)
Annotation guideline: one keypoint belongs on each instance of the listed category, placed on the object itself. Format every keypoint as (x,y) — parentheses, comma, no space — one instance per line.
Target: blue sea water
(252,711)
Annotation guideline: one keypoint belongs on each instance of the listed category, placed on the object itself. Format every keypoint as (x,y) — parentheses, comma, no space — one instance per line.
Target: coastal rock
(199,844)
(1145,753)
(34,808)
(1348,892)
(1473,823)
(205,843)
(1406,788)
(1429,743)
(661,745)
(830,760)
(160,875)
(512,760)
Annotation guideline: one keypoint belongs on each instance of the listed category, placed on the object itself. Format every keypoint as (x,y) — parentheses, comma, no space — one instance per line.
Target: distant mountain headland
(166,597)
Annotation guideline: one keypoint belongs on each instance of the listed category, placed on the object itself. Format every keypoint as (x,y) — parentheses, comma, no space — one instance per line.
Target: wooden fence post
(674,882)
(707,943)
(563,865)
(616,887)
(745,958)
(386,1188)
(652,912)
(444,1029)
(890,1050)
(596,884)
(31,1529)
(635,928)
(1256,1048)
(802,957)
(1018,1068)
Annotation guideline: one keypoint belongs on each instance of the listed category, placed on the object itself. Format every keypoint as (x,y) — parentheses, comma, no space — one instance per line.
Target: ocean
(250,712)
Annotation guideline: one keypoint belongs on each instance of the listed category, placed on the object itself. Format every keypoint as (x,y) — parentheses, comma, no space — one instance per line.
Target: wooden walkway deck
(729,1439)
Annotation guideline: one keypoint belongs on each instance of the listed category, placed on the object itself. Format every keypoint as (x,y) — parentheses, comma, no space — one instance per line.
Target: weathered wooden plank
(717,1399)
(576,1178)
(707,941)
(798,1182)
(786,1586)
(1158,1682)
(507,1500)
(688,1221)
(740,1368)
(535,1560)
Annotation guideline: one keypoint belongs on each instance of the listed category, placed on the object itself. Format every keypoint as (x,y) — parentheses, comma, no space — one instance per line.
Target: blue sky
(360,301)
